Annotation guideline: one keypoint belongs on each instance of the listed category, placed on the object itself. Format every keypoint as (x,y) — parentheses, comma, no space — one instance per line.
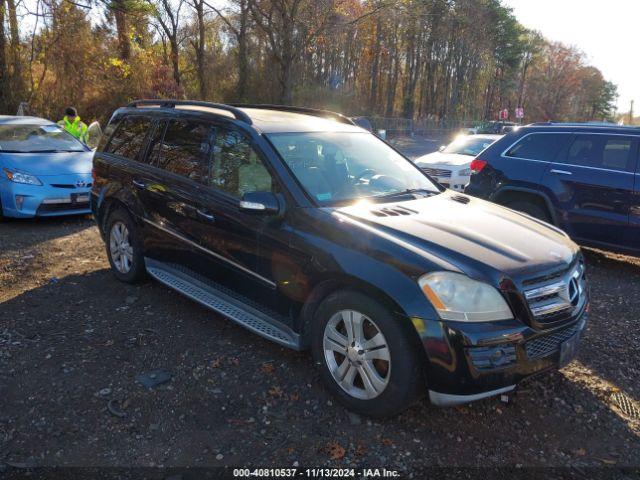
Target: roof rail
(290,108)
(584,124)
(163,103)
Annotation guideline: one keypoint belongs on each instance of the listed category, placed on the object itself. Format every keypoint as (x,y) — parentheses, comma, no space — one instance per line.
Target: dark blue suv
(579,177)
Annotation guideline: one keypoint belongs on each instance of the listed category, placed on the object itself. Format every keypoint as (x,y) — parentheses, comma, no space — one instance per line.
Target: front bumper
(455,182)
(59,195)
(469,362)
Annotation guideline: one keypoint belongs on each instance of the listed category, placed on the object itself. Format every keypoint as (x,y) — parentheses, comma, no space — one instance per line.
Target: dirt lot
(73,340)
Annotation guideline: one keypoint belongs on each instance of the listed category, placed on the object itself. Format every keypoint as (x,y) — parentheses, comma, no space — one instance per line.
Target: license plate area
(79,197)
(569,350)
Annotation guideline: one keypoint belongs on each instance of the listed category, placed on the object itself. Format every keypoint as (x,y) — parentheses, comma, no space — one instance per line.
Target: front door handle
(205,214)
(139,184)
(560,172)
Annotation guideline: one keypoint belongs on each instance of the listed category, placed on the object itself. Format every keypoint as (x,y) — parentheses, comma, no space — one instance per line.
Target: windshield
(342,166)
(37,138)
(471,145)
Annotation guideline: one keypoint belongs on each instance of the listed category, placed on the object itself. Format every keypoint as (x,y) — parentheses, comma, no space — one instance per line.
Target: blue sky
(606,31)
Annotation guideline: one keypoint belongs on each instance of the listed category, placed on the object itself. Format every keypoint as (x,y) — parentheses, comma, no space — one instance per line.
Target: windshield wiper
(408,191)
(55,151)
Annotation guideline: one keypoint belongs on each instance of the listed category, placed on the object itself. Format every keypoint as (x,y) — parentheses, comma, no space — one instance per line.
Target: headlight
(465,172)
(459,298)
(21,177)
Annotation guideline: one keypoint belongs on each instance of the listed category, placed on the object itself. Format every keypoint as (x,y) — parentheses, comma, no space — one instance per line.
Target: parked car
(493,128)
(583,179)
(44,171)
(450,165)
(314,233)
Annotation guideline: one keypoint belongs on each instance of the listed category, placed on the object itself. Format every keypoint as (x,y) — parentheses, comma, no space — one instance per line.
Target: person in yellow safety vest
(72,124)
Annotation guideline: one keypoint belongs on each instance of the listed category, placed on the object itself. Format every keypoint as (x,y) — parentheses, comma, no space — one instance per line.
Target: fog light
(19,201)
(493,357)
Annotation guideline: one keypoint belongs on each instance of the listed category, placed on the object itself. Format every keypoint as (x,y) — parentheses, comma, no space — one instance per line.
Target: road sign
(504,114)
(519,112)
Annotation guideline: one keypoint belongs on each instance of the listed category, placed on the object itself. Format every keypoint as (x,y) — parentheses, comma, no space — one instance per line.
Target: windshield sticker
(323,196)
(50,128)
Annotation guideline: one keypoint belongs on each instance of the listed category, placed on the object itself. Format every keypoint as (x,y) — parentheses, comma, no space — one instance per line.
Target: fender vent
(393,211)
(460,199)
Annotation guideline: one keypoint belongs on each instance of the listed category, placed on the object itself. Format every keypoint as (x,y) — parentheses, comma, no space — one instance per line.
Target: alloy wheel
(357,354)
(120,247)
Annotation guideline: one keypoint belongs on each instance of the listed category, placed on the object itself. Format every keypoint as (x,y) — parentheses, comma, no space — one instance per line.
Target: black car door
(179,151)
(593,180)
(241,255)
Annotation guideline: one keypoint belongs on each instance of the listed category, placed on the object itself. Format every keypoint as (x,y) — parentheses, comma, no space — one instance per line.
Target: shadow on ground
(70,353)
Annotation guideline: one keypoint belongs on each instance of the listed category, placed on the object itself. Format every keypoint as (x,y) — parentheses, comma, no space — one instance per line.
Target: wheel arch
(506,194)
(328,286)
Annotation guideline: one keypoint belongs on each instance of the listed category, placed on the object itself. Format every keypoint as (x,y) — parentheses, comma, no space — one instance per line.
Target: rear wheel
(365,356)
(530,208)
(123,247)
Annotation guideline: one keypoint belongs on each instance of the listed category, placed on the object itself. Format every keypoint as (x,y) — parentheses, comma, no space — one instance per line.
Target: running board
(219,299)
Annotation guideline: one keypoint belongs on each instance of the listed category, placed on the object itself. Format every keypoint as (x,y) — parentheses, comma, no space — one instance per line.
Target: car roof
(23,120)
(264,118)
(580,127)
(278,121)
(489,136)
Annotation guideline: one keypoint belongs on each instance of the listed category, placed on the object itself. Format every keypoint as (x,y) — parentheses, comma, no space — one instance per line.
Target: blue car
(44,171)
(582,178)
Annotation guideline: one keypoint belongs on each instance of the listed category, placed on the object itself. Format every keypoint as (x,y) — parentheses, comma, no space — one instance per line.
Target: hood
(444,159)
(62,163)
(471,234)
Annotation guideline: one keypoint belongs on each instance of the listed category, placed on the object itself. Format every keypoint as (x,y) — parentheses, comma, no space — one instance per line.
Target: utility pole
(631,113)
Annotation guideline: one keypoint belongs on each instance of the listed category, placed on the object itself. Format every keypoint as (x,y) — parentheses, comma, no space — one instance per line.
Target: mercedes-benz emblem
(573,291)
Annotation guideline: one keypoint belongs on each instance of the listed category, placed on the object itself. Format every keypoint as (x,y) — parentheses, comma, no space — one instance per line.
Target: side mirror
(264,203)
(442,147)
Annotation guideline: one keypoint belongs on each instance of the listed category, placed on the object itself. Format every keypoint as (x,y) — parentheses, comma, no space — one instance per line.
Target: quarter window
(601,151)
(236,168)
(185,149)
(539,146)
(128,138)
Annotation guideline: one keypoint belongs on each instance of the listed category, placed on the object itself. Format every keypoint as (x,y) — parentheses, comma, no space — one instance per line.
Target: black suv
(582,178)
(312,232)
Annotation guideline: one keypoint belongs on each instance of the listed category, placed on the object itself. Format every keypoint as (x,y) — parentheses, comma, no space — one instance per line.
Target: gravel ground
(73,341)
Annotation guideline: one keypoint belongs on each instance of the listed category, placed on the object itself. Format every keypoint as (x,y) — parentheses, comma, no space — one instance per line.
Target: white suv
(450,165)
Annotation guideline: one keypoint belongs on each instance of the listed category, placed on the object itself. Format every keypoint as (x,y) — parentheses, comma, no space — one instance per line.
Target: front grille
(70,185)
(548,344)
(437,172)
(555,296)
(61,207)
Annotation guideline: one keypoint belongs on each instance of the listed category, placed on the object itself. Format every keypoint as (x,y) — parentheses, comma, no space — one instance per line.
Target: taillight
(477,165)
(93,174)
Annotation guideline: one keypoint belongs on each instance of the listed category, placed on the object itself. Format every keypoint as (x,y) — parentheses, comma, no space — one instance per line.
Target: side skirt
(220,299)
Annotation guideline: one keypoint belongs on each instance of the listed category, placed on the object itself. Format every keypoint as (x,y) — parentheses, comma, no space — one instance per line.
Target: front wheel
(366,358)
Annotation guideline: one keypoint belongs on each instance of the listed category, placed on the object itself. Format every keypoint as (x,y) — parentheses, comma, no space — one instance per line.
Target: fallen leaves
(336,451)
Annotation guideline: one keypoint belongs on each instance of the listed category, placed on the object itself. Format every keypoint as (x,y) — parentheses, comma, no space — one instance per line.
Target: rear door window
(539,146)
(185,149)
(129,137)
(608,152)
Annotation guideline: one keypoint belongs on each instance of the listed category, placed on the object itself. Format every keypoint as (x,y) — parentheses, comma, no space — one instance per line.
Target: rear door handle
(560,172)
(207,215)
(139,184)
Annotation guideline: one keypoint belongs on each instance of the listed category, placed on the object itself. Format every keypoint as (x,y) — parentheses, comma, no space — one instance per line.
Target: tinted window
(155,142)
(129,137)
(185,148)
(601,151)
(539,146)
(236,168)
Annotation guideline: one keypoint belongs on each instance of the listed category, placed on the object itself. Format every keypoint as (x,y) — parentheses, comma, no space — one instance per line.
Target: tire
(399,381)
(127,259)
(532,209)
